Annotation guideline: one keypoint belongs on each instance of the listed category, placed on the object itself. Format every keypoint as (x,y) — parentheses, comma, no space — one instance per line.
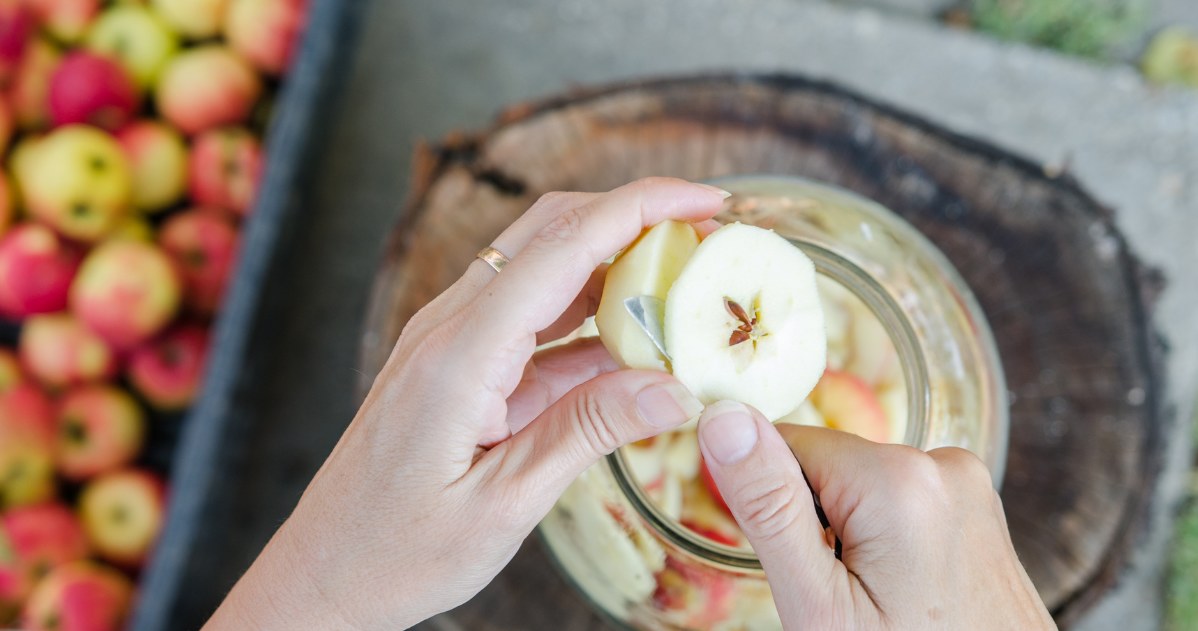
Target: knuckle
(594,422)
(772,508)
(962,466)
(565,227)
(911,479)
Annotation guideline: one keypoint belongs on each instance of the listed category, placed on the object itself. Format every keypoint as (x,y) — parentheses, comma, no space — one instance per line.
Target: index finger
(541,282)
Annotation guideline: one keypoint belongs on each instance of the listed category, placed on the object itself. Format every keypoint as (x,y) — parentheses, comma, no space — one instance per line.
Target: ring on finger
(496,259)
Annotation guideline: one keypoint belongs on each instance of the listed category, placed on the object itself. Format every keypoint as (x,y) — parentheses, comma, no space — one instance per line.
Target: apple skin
(36,269)
(194,19)
(93,89)
(8,123)
(205,87)
(8,203)
(137,38)
(266,32)
(11,374)
(77,181)
(122,513)
(168,371)
(204,244)
(79,596)
(848,404)
(31,84)
(100,428)
(33,541)
(26,446)
(66,20)
(158,158)
(133,228)
(126,291)
(59,351)
(17,24)
(226,169)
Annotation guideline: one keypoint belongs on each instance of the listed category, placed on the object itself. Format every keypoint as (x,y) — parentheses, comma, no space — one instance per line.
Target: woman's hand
(925,542)
(467,438)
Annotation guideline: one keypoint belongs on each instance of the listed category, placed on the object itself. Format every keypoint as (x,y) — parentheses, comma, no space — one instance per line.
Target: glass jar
(627,545)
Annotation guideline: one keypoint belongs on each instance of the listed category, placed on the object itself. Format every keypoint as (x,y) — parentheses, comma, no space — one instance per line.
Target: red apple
(207,87)
(33,541)
(158,157)
(17,24)
(122,514)
(169,370)
(195,19)
(126,291)
(76,180)
(203,243)
(36,268)
(100,428)
(31,84)
(266,32)
(66,20)
(226,168)
(848,404)
(7,123)
(26,447)
(80,596)
(59,351)
(89,88)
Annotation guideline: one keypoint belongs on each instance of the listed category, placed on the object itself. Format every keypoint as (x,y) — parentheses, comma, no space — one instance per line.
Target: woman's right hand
(925,541)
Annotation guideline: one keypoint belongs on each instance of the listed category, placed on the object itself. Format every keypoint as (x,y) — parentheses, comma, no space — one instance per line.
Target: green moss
(1091,28)
(1172,57)
(1182,596)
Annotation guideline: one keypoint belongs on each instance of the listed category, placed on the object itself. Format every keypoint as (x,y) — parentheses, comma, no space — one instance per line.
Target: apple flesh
(28,95)
(100,428)
(92,89)
(36,269)
(157,157)
(79,596)
(122,514)
(206,87)
(195,19)
(648,267)
(169,370)
(203,244)
(226,168)
(135,37)
(265,32)
(848,404)
(59,351)
(33,541)
(126,291)
(77,181)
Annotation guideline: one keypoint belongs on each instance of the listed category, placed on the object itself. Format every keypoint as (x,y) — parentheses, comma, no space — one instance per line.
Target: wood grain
(1069,305)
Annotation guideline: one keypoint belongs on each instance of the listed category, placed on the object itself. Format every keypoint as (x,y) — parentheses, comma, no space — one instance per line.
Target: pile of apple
(130,132)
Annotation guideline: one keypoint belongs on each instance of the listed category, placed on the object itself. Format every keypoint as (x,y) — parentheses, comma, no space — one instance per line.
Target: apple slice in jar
(848,404)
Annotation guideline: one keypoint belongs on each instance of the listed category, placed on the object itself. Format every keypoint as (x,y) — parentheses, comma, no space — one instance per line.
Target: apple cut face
(743,321)
(648,267)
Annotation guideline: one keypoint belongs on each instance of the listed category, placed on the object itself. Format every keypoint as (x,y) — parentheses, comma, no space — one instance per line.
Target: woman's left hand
(467,437)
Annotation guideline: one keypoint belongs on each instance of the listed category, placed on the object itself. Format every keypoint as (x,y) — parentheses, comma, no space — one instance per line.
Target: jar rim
(915,376)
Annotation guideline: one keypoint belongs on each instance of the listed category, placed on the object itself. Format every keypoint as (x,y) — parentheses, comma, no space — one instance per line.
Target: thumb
(589,422)
(761,482)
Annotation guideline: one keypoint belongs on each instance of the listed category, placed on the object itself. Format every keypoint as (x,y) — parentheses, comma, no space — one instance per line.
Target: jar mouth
(915,377)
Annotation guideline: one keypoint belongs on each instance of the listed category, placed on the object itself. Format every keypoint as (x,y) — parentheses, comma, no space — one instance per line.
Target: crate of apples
(132,154)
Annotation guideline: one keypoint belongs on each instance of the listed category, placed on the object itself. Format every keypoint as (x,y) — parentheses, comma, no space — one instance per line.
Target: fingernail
(728,432)
(667,405)
(715,189)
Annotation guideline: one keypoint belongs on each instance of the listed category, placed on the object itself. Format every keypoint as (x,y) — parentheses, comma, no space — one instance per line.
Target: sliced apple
(648,267)
(872,357)
(743,321)
(848,404)
(805,414)
(893,399)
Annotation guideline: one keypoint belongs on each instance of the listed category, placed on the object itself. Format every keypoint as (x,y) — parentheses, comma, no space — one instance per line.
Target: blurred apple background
(136,160)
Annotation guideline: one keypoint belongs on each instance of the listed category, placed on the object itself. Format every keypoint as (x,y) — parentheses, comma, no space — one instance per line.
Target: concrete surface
(425,68)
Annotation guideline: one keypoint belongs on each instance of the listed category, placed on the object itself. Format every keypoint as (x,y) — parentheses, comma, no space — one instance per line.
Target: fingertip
(728,432)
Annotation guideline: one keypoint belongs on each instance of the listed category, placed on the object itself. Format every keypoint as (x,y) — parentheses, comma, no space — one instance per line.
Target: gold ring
(494,258)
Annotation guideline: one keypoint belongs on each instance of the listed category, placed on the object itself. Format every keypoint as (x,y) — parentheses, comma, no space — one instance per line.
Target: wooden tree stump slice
(1069,305)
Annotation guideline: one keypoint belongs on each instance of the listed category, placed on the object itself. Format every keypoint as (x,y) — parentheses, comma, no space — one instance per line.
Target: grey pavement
(425,68)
